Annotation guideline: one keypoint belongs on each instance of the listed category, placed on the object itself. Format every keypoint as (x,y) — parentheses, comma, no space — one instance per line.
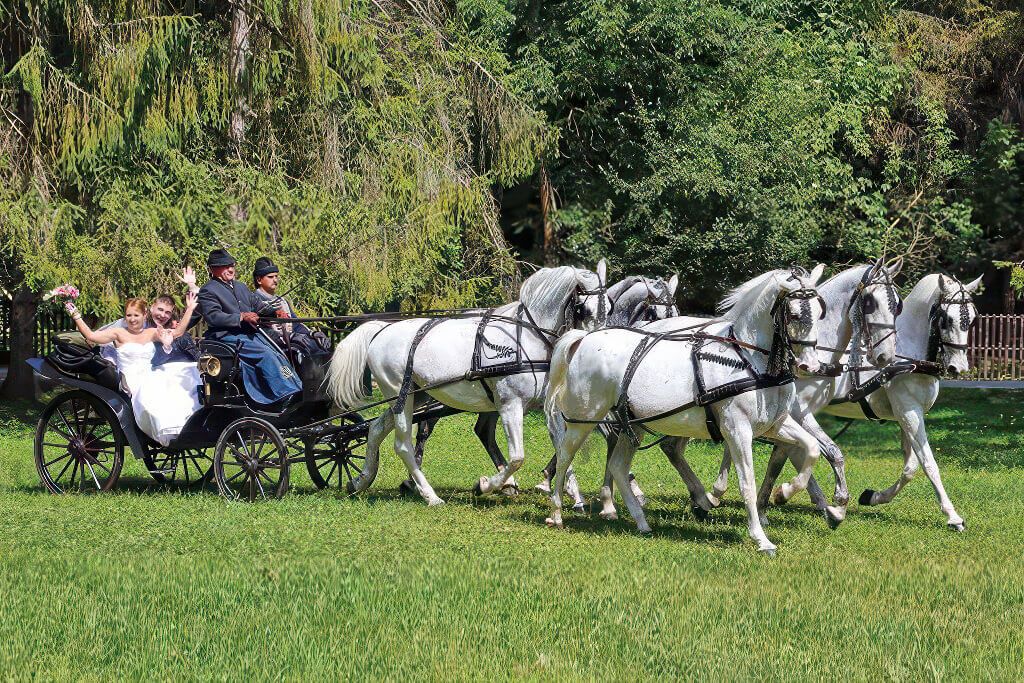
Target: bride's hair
(136,303)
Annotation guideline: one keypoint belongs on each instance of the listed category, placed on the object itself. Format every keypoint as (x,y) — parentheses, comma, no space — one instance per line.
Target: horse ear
(673,282)
(972,287)
(816,274)
(895,268)
(602,271)
(943,283)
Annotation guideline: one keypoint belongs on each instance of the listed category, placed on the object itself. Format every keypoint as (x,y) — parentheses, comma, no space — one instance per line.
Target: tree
(357,142)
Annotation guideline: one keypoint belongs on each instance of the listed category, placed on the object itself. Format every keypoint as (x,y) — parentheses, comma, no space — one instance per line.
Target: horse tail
(345,373)
(560,357)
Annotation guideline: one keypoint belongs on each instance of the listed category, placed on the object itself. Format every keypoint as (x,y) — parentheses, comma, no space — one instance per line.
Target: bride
(163,399)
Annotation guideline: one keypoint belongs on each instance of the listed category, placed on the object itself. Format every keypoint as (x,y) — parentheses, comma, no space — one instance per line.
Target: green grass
(148,582)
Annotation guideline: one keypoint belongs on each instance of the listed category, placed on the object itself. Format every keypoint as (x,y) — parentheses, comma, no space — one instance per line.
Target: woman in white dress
(162,399)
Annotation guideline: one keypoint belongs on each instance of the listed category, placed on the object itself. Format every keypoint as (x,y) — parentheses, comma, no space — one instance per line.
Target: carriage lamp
(209,366)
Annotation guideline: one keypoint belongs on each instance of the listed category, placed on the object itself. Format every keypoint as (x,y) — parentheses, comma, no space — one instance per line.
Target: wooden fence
(995,347)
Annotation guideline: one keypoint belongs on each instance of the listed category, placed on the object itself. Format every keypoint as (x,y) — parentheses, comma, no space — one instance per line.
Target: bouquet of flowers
(66,295)
(63,294)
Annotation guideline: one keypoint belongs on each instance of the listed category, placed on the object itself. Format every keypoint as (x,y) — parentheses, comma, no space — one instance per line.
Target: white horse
(768,324)
(634,301)
(436,356)
(860,324)
(933,328)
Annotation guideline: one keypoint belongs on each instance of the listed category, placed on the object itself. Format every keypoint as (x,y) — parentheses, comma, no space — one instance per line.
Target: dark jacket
(222,304)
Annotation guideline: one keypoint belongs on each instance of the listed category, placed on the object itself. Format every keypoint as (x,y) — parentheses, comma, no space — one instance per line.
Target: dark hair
(165,298)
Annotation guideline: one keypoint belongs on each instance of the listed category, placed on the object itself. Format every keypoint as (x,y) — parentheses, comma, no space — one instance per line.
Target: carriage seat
(85,362)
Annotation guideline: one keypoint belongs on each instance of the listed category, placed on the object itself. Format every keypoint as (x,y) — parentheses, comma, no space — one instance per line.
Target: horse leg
(619,463)
(804,453)
(379,428)
(548,474)
(675,449)
(607,495)
(567,437)
(721,484)
(910,465)
(425,429)
(485,429)
(776,462)
(911,419)
(572,485)
(740,442)
(407,452)
(512,421)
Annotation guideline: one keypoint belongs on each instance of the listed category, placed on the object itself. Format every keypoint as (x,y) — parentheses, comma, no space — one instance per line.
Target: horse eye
(869,304)
(899,307)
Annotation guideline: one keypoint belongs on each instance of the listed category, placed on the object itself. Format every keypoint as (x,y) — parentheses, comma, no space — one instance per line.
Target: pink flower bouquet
(63,293)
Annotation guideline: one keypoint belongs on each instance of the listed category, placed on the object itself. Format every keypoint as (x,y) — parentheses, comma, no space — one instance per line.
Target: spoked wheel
(250,461)
(79,445)
(337,460)
(190,467)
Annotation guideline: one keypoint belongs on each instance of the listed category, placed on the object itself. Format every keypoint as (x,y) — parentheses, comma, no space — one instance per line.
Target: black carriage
(247,449)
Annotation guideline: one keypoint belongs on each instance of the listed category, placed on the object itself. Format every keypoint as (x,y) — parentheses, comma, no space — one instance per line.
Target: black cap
(219,257)
(264,266)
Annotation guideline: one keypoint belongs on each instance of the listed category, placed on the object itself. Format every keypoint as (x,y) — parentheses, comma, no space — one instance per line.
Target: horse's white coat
(587,371)
(445,355)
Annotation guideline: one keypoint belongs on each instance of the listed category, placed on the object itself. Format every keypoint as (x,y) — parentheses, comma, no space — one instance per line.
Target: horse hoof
(543,487)
(610,516)
(645,533)
(777,497)
(768,552)
(715,501)
(579,507)
(958,527)
(434,503)
(832,519)
(700,513)
(866,496)
(553,524)
(509,490)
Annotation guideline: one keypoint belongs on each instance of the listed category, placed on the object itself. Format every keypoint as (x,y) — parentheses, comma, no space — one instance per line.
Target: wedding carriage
(85,428)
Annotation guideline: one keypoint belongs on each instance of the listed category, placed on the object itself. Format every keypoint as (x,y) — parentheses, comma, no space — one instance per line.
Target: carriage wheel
(338,460)
(250,461)
(190,467)
(79,445)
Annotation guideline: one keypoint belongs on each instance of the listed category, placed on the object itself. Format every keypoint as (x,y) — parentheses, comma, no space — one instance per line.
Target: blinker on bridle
(867,304)
(941,320)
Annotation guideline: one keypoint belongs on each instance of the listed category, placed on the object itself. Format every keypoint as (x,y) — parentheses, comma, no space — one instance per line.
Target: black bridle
(940,320)
(781,356)
(576,307)
(865,305)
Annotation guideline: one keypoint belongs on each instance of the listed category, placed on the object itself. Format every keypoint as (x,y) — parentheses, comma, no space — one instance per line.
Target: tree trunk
(19,383)
(547,205)
(238,65)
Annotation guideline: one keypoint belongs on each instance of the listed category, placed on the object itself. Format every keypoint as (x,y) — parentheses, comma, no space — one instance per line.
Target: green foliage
(729,136)
(371,136)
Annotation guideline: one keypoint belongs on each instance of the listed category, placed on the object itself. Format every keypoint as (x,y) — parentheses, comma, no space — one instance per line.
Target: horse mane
(623,286)
(747,298)
(926,288)
(549,288)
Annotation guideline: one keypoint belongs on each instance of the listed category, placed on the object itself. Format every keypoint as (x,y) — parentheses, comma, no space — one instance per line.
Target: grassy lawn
(148,582)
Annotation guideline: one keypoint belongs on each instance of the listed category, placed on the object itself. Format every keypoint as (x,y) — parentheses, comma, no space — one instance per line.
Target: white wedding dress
(164,397)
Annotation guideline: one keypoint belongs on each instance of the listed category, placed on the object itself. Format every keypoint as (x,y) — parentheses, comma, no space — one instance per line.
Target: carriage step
(170,471)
